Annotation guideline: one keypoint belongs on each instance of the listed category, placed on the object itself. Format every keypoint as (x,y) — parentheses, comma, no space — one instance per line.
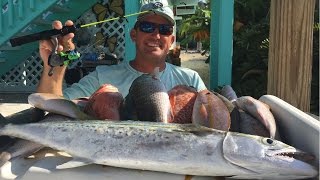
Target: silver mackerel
(173,148)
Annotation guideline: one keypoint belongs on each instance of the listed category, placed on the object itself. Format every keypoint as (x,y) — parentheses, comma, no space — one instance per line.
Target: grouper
(147,100)
(105,103)
(173,148)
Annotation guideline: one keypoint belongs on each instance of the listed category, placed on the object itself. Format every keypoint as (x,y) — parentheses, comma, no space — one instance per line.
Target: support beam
(290,51)
(130,7)
(221,42)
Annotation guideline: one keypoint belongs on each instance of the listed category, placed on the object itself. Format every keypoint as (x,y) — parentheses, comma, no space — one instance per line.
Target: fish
(81,102)
(105,103)
(24,116)
(260,111)
(2,118)
(210,111)
(241,121)
(234,113)
(250,125)
(169,147)
(228,92)
(57,104)
(21,117)
(17,147)
(147,100)
(182,98)
(226,101)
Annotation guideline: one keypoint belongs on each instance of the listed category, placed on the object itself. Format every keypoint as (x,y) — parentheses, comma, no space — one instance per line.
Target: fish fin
(3,121)
(172,100)
(228,92)
(76,162)
(4,157)
(266,105)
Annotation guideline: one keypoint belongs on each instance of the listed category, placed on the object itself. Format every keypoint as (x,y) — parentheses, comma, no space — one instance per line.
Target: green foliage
(251,46)
(250,59)
(191,25)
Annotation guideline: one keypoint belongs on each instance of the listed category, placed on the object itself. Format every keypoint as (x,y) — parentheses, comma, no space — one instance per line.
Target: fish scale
(172,148)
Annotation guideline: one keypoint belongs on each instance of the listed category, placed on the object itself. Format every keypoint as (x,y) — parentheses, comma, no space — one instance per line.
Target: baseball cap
(158,8)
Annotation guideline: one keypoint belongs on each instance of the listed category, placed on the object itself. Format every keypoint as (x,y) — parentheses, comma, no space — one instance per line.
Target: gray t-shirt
(122,76)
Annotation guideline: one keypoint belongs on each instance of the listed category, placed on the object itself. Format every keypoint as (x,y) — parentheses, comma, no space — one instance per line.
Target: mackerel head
(168,147)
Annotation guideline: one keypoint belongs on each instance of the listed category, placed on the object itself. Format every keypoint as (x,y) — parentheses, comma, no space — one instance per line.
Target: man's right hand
(53,84)
(46,47)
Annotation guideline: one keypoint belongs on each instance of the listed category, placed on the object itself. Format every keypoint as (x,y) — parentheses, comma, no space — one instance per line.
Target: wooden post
(221,38)
(130,7)
(290,51)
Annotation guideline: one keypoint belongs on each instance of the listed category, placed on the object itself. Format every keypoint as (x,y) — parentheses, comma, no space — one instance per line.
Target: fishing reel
(62,58)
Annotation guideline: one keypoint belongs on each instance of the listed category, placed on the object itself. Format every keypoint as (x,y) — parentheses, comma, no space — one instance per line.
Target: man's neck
(146,67)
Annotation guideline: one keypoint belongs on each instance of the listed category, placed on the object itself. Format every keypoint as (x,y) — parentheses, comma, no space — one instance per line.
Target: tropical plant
(196,27)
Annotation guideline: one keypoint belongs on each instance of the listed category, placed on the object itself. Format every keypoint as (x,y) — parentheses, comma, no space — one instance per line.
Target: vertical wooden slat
(20,9)
(290,51)
(32,5)
(1,22)
(10,13)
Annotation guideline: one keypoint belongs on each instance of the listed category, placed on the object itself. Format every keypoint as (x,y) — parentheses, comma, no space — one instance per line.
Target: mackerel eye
(268,141)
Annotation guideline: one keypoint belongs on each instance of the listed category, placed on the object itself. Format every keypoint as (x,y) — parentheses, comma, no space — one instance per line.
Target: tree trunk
(290,51)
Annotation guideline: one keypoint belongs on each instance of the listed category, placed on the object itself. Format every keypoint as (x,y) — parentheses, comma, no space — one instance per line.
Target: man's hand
(46,47)
(53,84)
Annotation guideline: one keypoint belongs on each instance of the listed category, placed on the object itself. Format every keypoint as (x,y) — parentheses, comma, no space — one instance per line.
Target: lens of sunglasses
(148,27)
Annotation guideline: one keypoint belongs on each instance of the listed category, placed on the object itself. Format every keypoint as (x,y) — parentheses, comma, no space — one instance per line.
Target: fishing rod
(63,58)
(47,34)
(60,58)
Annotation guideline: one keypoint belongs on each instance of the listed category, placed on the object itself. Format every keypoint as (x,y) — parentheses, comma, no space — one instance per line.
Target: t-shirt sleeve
(198,82)
(84,88)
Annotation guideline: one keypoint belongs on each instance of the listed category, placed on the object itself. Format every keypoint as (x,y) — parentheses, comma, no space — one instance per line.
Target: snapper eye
(269,141)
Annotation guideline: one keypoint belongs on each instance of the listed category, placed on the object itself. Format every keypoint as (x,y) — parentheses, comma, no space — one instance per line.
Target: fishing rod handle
(41,35)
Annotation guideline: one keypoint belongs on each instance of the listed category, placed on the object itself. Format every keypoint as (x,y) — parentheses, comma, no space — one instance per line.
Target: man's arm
(53,84)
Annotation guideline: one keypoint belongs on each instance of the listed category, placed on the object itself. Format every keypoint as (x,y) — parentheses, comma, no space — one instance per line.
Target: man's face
(152,45)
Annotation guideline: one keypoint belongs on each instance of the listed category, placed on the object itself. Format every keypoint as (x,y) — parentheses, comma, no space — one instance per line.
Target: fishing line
(58,59)
(112,19)
(47,34)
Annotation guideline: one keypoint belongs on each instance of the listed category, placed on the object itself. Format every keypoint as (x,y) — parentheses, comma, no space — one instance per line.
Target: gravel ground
(196,61)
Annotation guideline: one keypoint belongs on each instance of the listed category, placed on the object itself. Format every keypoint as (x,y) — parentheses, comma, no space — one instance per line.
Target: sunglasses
(149,27)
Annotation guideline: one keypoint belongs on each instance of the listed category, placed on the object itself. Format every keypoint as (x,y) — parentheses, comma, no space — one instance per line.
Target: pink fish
(182,99)
(260,111)
(105,103)
(210,111)
(250,125)
(81,102)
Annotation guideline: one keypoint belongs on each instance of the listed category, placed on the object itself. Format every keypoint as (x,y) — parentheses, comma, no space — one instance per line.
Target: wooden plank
(290,51)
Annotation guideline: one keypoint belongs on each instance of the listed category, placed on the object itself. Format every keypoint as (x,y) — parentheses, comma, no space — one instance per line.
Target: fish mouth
(294,154)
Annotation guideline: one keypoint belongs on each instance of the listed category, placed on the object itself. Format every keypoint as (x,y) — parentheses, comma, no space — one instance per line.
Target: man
(152,35)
